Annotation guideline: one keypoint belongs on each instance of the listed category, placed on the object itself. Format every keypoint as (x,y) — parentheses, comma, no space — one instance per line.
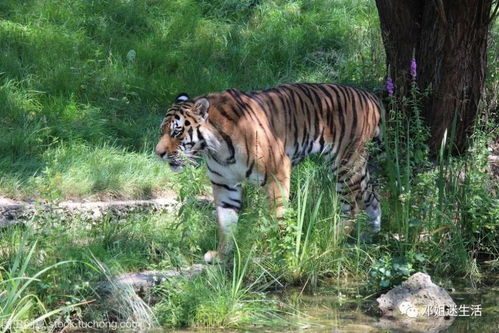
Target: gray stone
(417,305)
(14,213)
(143,282)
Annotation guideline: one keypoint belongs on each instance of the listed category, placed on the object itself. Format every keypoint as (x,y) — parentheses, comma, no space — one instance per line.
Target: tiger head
(181,137)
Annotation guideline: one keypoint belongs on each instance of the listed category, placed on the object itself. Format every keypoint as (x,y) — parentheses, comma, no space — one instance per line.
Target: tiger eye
(187,123)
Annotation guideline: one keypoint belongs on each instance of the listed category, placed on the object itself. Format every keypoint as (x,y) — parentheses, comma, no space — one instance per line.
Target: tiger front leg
(228,204)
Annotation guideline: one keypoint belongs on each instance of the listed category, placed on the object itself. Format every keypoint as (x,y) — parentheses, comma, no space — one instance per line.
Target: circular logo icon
(407,309)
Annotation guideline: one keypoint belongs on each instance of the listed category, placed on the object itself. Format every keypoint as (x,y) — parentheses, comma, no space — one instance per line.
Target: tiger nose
(161,153)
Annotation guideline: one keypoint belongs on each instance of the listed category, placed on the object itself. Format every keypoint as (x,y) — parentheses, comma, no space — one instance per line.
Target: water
(339,309)
(335,312)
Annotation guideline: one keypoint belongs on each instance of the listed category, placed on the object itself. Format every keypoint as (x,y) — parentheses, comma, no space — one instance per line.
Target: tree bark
(449,41)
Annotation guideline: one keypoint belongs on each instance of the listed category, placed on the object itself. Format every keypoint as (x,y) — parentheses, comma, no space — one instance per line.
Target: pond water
(331,310)
(338,313)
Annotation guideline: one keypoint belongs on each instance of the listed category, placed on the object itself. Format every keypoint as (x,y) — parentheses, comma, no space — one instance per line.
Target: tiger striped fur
(260,135)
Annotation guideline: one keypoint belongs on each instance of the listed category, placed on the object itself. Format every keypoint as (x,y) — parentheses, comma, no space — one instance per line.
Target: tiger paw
(212,257)
(375,225)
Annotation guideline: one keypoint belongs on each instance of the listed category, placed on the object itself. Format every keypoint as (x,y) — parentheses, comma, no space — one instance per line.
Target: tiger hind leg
(355,187)
(372,206)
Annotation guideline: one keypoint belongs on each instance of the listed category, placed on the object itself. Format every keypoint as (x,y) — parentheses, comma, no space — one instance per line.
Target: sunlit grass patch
(79,170)
(102,73)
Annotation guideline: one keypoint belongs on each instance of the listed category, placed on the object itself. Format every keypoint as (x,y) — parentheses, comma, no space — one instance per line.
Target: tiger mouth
(178,161)
(175,166)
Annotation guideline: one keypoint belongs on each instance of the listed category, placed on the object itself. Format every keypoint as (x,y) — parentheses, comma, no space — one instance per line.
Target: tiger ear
(181,98)
(201,107)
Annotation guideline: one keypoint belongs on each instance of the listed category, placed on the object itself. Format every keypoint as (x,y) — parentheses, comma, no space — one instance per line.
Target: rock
(14,213)
(128,297)
(142,282)
(418,296)
(417,305)
(6,201)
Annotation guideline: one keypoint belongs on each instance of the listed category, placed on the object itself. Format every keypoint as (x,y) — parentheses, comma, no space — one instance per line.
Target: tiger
(259,136)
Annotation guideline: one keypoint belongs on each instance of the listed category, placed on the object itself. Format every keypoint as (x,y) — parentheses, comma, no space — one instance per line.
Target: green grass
(220,298)
(95,251)
(21,310)
(443,213)
(79,170)
(101,74)
(83,87)
(446,234)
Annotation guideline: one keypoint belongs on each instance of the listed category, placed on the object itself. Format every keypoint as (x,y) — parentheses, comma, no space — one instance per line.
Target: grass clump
(310,234)
(94,250)
(219,298)
(20,309)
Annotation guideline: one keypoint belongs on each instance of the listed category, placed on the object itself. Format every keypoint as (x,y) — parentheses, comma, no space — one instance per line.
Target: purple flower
(413,68)
(390,87)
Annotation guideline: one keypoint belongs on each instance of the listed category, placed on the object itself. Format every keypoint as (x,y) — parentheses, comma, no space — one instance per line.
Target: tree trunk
(449,41)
